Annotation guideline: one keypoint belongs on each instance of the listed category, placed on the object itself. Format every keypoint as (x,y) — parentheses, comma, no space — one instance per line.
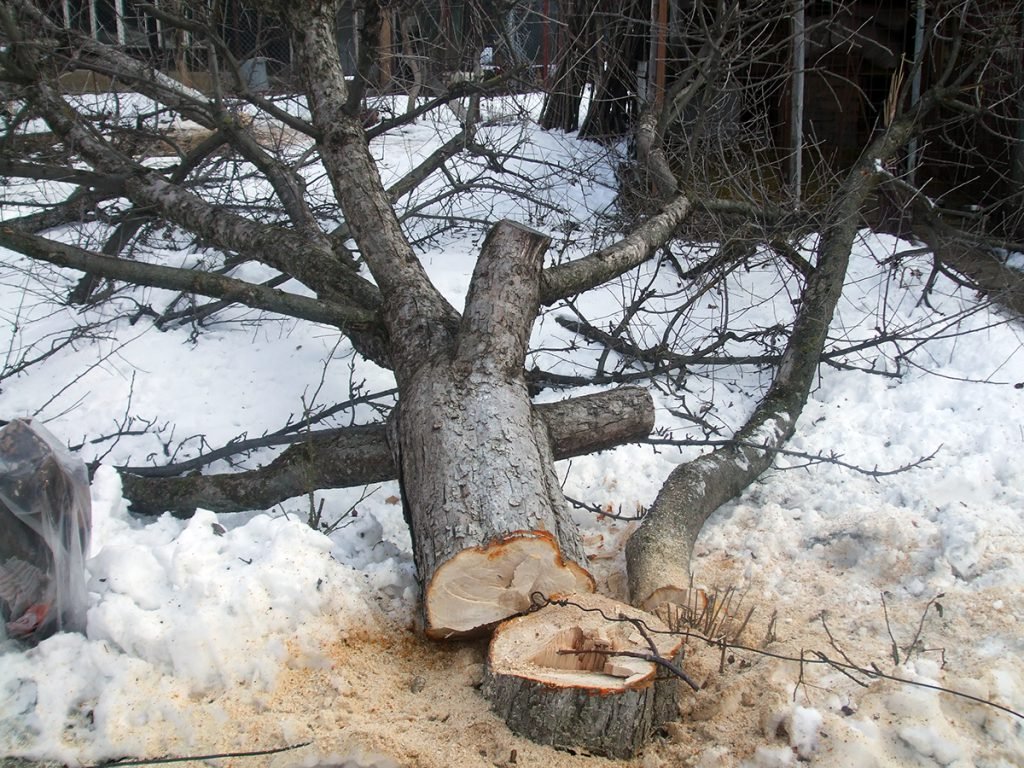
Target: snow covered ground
(262,633)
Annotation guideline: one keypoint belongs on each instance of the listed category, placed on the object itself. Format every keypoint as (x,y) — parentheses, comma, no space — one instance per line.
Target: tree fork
(488,521)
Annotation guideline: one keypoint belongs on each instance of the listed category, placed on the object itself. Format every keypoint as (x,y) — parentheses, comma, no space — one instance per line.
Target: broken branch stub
(578,674)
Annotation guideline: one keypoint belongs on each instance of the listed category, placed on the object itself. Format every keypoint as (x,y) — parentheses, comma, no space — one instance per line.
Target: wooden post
(660,54)
(384,50)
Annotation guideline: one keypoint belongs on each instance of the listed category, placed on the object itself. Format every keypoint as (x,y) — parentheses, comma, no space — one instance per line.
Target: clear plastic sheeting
(45,518)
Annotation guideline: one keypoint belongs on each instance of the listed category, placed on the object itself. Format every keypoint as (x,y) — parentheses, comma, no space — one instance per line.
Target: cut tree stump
(488,520)
(567,676)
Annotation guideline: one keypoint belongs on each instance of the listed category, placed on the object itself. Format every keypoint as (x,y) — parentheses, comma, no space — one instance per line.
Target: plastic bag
(45,521)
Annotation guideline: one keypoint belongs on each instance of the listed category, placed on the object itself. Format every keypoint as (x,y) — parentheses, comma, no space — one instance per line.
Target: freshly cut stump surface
(480,586)
(554,676)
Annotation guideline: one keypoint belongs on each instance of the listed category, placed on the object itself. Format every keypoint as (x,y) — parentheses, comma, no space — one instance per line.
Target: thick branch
(651,154)
(361,455)
(414,310)
(188,280)
(433,162)
(42,172)
(78,206)
(506,276)
(287,184)
(114,62)
(598,268)
(658,554)
(355,456)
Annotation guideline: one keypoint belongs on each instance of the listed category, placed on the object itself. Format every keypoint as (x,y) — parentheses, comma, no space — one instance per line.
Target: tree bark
(191,281)
(650,153)
(487,517)
(658,553)
(604,702)
(360,455)
(564,280)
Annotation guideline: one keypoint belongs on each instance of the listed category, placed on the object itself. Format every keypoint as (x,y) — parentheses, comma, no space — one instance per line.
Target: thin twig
(197,758)
(816,458)
(888,628)
(539,601)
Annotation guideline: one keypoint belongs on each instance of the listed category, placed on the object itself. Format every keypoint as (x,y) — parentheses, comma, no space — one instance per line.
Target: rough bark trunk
(488,521)
(554,676)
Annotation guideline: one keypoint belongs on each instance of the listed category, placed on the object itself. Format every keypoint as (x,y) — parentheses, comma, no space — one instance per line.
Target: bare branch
(192,281)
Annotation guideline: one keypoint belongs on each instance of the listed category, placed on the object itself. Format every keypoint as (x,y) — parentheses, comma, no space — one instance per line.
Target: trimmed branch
(651,154)
(637,247)
(506,275)
(360,455)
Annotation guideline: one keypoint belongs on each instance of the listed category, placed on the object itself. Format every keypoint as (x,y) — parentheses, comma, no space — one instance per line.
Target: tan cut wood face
(566,646)
(484,585)
(580,650)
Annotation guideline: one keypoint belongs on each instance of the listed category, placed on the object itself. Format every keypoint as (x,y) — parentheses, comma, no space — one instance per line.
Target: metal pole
(797,102)
(913,151)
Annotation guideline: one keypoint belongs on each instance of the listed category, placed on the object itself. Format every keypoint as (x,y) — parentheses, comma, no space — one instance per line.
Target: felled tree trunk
(574,675)
(488,521)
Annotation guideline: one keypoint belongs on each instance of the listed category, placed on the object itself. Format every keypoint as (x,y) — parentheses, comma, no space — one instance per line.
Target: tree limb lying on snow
(658,554)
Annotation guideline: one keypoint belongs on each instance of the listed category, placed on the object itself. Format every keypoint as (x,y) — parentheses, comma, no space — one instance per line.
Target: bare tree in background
(473,455)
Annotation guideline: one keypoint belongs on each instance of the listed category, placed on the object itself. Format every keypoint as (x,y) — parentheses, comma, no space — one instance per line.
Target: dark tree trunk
(565,95)
(615,101)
